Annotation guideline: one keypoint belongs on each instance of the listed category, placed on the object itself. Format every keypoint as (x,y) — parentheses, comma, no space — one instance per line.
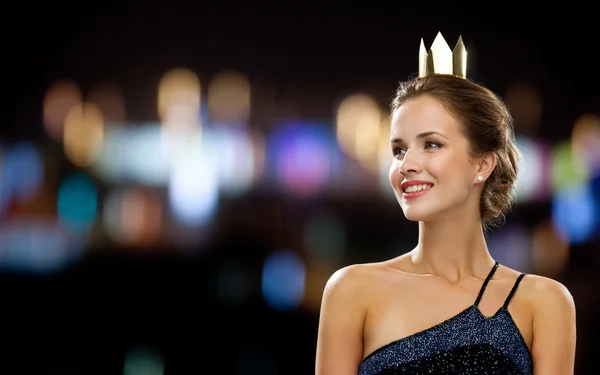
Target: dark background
(302,59)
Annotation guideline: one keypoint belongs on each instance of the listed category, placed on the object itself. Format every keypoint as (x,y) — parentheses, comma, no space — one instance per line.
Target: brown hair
(488,125)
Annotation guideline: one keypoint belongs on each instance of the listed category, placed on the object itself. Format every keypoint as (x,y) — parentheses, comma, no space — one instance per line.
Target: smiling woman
(447,307)
(460,115)
(452,125)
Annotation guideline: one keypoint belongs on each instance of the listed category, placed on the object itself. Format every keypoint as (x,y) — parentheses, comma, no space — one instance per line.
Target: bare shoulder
(547,294)
(543,292)
(354,278)
(355,284)
(346,299)
(553,325)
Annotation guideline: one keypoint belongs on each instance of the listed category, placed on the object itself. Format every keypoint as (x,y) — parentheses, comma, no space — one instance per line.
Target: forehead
(423,114)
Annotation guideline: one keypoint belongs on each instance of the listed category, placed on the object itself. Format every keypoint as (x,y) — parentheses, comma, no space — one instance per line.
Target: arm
(554,333)
(339,342)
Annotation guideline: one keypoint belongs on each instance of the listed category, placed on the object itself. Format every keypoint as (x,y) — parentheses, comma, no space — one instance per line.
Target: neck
(453,249)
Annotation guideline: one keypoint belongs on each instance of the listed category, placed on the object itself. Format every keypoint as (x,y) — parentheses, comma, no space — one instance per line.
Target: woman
(447,307)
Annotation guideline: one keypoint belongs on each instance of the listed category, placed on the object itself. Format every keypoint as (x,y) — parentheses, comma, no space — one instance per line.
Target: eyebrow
(420,136)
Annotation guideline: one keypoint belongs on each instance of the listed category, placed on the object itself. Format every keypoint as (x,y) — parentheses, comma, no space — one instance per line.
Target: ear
(486,166)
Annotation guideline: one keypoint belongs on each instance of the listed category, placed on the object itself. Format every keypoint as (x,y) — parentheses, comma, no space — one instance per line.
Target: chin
(417,218)
(432,212)
(413,214)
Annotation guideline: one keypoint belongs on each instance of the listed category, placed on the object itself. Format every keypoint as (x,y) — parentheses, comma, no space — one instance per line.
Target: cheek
(439,169)
(394,175)
(451,172)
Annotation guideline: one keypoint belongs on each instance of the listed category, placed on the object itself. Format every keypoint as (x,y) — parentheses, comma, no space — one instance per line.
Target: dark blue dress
(468,343)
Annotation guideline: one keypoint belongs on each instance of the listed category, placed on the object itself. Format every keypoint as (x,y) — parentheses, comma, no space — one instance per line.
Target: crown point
(442,55)
(422,59)
(439,42)
(439,38)
(459,44)
(459,59)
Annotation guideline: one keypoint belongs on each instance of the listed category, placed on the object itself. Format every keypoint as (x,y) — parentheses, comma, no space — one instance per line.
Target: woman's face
(431,174)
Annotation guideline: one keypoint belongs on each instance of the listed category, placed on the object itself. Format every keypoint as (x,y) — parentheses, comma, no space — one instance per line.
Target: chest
(403,311)
(467,343)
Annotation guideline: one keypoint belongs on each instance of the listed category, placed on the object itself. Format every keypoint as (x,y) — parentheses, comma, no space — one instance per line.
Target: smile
(416,188)
(415,191)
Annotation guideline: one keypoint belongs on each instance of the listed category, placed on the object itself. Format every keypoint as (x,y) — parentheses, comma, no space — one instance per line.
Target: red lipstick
(415,194)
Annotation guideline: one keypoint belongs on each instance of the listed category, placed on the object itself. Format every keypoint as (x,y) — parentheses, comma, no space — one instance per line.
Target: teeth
(415,188)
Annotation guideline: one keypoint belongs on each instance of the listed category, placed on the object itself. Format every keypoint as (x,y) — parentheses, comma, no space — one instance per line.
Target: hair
(488,126)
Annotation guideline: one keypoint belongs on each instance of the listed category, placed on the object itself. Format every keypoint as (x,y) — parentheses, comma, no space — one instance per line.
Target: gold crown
(442,60)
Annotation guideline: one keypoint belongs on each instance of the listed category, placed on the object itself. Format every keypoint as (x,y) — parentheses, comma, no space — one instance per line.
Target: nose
(409,165)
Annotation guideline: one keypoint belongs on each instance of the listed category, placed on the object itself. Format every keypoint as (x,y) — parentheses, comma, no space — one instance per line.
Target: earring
(479,178)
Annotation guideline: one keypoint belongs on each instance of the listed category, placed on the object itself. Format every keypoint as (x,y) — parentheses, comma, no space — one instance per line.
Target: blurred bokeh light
(161,205)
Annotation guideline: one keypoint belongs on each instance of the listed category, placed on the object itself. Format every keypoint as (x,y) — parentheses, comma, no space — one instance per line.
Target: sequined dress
(467,343)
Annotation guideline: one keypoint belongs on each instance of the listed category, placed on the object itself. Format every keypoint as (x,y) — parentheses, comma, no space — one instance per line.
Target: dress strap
(513,290)
(485,283)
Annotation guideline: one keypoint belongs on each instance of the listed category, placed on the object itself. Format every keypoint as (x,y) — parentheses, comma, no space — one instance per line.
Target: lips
(415,185)
(415,188)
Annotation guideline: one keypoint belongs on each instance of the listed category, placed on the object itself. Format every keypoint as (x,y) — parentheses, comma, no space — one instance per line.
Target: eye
(398,151)
(430,144)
